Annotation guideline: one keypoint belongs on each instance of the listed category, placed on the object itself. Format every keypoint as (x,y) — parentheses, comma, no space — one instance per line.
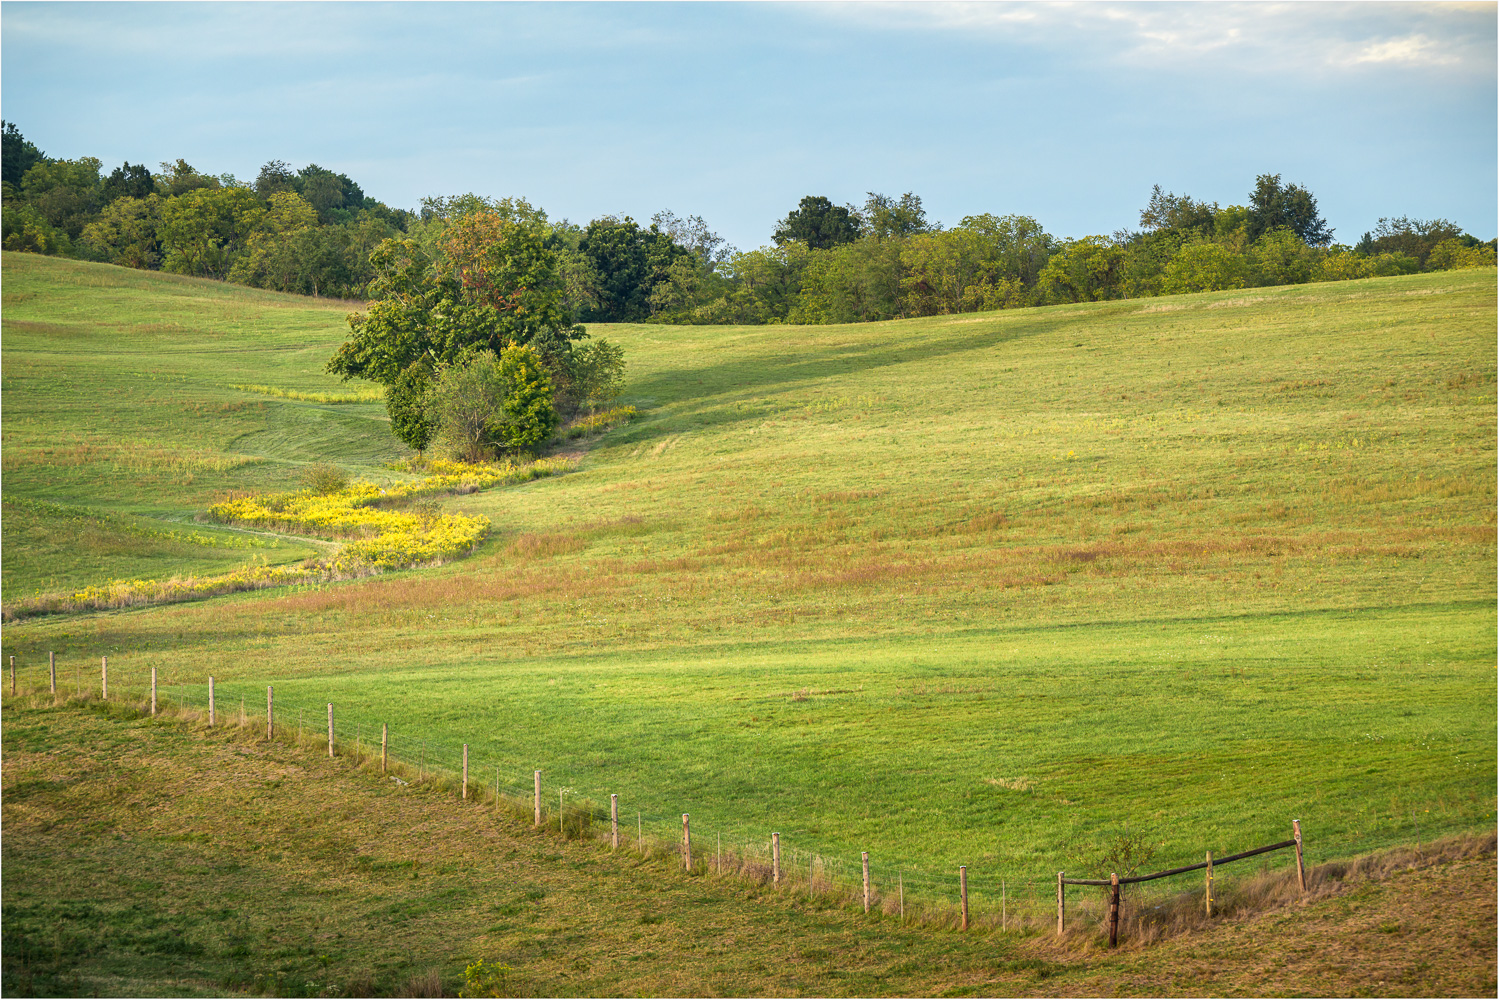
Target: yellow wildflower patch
(375,538)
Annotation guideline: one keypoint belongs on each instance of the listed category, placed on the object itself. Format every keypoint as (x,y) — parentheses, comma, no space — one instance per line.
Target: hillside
(981,590)
(151,858)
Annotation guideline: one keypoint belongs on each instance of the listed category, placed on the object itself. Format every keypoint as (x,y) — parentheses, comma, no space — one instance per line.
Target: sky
(1065,112)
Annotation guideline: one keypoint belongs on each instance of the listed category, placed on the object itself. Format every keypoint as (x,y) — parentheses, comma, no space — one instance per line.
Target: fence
(1006,900)
(1114,882)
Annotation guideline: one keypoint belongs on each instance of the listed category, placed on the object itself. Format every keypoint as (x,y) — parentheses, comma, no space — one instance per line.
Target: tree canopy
(1273,205)
(819,224)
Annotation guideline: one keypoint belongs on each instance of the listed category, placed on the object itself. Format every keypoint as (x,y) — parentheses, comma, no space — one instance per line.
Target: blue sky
(1068,112)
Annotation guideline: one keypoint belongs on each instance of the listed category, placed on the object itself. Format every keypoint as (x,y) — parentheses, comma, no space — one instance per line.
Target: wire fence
(985,895)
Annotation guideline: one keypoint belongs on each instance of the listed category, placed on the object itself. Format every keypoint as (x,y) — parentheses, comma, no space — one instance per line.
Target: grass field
(146,857)
(979,590)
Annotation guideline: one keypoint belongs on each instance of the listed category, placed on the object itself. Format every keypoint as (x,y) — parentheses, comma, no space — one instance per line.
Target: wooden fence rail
(1114,881)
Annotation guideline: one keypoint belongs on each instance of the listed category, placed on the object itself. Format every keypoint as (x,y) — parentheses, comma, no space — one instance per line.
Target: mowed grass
(980,590)
(147,396)
(148,857)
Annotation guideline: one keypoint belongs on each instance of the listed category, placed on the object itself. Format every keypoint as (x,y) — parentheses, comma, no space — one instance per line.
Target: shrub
(486,979)
(406,402)
(1203,267)
(598,374)
(482,403)
(323,479)
(525,417)
(1455,255)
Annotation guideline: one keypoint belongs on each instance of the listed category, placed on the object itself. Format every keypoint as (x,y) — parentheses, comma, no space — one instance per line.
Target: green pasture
(122,417)
(977,589)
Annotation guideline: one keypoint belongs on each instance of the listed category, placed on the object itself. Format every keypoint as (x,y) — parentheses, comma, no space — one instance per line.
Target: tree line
(314,231)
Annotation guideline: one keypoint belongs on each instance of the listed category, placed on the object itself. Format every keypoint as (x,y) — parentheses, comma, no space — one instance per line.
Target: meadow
(988,590)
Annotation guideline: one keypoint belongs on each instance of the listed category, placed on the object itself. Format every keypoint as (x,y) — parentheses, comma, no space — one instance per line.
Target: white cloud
(1413,50)
(1222,37)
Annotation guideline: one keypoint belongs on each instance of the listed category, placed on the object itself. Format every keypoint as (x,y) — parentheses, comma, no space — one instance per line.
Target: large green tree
(1273,205)
(65,192)
(204,230)
(819,224)
(1415,238)
(492,284)
(628,263)
(17,155)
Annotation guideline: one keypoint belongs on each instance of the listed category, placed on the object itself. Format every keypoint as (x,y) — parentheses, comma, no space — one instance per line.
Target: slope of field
(985,590)
(146,858)
(129,407)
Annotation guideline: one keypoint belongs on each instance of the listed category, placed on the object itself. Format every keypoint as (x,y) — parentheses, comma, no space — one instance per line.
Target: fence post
(902,879)
(963,892)
(538,800)
(104,679)
(686,844)
(1061,905)
(212,716)
(270,711)
(153,690)
(1300,864)
(613,822)
(465,771)
(775,859)
(243,718)
(12,676)
(1113,909)
(330,729)
(384,743)
(1208,894)
(52,670)
(865,858)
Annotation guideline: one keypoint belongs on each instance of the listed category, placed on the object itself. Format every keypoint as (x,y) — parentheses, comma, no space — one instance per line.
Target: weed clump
(324,479)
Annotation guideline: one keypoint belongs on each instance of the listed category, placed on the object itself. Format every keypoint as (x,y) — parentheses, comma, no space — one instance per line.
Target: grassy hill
(148,857)
(987,590)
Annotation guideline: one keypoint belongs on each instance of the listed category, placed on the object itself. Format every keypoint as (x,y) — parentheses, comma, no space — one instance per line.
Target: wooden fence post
(1208,879)
(330,729)
(866,880)
(1061,904)
(104,679)
(12,676)
(1300,864)
(465,771)
(153,690)
(1113,909)
(538,800)
(243,718)
(902,880)
(52,670)
(212,716)
(686,844)
(963,892)
(384,745)
(613,822)
(270,711)
(775,859)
